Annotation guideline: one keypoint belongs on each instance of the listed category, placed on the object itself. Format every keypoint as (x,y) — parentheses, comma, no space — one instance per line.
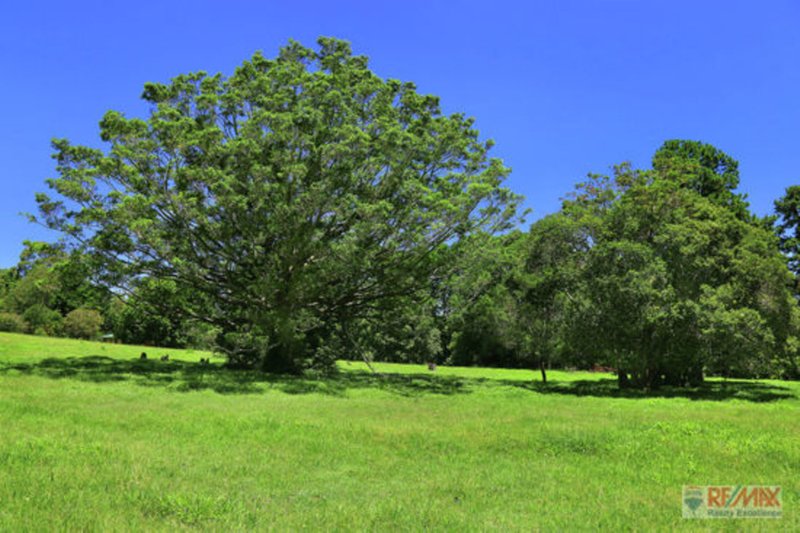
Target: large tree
(679,280)
(300,192)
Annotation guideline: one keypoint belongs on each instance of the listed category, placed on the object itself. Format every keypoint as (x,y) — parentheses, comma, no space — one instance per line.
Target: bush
(12,323)
(42,320)
(83,323)
(139,324)
(199,336)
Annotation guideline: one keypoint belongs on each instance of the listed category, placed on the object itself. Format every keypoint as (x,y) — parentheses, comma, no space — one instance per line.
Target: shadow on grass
(188,376)
(751,391)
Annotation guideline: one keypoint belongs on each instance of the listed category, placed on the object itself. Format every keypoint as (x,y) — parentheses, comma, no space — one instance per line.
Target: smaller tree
(555,248)
(83,323)
(38,286)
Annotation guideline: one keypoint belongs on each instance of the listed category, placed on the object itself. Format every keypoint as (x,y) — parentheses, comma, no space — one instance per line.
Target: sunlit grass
(93,438)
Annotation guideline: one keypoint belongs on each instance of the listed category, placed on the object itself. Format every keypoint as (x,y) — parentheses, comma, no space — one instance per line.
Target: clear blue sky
(564,87)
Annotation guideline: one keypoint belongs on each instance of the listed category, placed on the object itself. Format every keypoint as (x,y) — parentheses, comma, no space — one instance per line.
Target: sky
(564,87)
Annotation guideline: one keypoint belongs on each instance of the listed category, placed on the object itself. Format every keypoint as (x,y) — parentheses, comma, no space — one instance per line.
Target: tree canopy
(678,282)
(299,192)
(662,274)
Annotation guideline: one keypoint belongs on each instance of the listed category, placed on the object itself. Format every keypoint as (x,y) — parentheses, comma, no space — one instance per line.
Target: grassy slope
(92,438)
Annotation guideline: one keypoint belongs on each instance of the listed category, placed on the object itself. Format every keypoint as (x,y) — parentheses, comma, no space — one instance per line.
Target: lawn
(93,438)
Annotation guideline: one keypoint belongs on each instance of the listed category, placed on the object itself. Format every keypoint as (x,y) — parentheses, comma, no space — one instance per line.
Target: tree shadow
(751,391)
(184,376)
(191,376)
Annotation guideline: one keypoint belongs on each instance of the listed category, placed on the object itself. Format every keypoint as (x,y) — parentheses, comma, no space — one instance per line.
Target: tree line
(304,210)
(53,293)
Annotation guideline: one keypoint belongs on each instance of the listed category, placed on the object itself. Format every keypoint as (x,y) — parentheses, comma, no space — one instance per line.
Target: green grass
(92,438)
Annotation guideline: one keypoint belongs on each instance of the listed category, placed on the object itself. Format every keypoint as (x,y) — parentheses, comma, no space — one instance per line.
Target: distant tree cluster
(305,210)
(50,292)
(662,274)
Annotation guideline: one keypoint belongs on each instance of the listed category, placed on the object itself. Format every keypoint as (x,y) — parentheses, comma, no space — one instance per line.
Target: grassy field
(92,438)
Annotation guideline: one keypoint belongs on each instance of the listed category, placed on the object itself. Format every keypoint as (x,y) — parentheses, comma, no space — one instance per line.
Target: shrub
(12,323)
(83,323)
(42,320)
(199,336)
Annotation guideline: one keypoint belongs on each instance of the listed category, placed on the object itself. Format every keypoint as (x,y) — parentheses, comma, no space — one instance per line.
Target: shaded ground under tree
(182,376)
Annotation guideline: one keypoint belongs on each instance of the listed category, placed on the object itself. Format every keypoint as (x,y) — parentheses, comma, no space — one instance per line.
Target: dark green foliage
(82,323)
(12,323)
(39,285)
(662,274)
(704,169)
(198,335)
(49,276)
(545,288)
(477,308)
(788,227)
(485,333)
(8,278)
(42,320)
(47,284)
(137,322)
(679,283)
(302,191)
(405,330)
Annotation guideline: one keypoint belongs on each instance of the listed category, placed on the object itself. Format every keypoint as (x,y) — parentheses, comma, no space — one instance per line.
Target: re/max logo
(732,501)
(743,497)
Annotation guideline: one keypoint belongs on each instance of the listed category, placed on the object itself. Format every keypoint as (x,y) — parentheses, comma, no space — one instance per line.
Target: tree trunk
(282,359)
(696,375)
(543,370)
(285,356)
